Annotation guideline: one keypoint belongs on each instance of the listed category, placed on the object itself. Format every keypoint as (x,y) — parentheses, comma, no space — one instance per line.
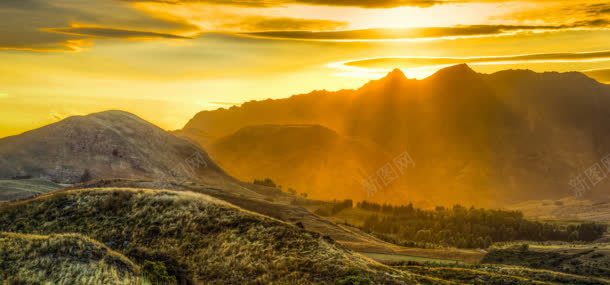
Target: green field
(24,188)
(394,258)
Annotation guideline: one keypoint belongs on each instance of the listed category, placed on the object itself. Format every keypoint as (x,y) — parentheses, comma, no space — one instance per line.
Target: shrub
(156,272)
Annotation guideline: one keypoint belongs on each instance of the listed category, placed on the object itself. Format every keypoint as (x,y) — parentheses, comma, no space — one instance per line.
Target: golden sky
(165,60)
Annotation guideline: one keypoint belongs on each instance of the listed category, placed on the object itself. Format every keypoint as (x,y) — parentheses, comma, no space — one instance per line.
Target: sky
(166,60)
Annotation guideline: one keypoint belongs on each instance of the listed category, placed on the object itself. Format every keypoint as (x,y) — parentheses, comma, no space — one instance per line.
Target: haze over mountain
(475,138)
(311,152)
(111,144)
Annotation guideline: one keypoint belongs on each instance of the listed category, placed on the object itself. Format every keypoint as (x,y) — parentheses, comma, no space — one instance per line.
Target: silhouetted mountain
(111,144)
(475,138)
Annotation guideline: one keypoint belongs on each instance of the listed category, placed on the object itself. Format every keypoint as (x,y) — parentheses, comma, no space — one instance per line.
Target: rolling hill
(483,139)
(62,259)
(181,237)
(195,238)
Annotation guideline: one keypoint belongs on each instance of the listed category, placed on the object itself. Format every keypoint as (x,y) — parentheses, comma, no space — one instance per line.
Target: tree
(86,176)
(266,182)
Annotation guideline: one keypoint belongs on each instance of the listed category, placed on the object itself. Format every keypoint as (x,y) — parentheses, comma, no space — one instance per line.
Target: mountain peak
(455,70)
(112,114)
(395,74)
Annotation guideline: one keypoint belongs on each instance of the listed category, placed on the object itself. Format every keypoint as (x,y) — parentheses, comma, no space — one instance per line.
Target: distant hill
(62,259)
(194,238)
(111,144)
(315,156)
(483,139)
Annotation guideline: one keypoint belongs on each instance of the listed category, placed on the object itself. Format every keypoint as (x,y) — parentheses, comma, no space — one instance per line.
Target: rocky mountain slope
(111,144)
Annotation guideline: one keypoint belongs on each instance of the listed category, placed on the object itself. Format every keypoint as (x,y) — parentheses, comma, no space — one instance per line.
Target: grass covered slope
(500,274)
(582,259)
(24,188)
(62,259)
(189,237)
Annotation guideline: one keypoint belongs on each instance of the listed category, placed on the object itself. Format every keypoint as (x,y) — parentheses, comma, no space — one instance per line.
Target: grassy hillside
(24,188)
(190,237)
(569,208)
(585,259)
(280,205)
(62,259)
(496,274)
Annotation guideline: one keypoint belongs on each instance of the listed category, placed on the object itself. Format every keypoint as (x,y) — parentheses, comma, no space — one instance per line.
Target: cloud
(414,62)
(598,9)
(61,25)
(225,104)
(345,3)
(45,25)
(259,23)
(419,33)
(114,33)
(563,13)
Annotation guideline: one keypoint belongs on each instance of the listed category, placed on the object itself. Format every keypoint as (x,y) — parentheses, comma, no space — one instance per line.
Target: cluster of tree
(466,227)
(334,208)
(265,182)
(270,183)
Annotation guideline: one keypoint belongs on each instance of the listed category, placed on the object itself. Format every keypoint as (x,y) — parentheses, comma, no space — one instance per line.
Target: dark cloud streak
(114,33)
(280,23)
(420,33)
(47,25)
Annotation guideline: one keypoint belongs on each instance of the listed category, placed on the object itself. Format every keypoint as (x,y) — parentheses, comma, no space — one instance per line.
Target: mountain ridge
(477,131)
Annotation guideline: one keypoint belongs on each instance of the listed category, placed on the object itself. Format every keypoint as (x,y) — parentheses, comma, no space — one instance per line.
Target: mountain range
(482,139)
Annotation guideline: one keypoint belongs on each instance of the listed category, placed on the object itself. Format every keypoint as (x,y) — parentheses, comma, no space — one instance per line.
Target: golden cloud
(414,62)
(422,33)
(346,3)
(114,33)
(259,23)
